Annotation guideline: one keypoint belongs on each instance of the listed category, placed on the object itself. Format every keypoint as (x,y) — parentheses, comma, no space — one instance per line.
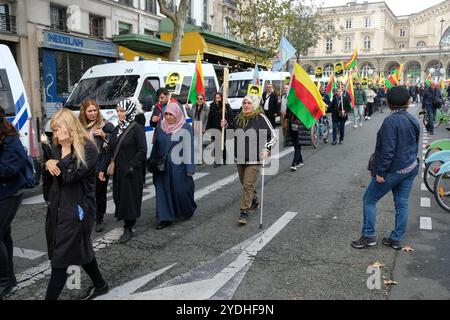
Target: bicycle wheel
(442,191)
(429,175)
(315,136)
(326,128)
(420,113)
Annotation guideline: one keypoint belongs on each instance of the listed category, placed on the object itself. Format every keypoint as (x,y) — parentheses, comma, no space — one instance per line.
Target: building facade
(385,40)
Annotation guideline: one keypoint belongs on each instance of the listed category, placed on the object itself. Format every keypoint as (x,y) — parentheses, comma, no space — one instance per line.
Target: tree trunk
(177,38)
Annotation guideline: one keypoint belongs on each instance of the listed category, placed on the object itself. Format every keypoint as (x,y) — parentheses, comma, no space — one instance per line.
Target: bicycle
(320,131)
(442,115)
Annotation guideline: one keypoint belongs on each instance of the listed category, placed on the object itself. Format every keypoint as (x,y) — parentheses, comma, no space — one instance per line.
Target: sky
(399,7)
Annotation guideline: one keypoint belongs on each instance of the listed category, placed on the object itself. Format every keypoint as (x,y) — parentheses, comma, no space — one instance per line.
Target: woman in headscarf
(127,153)
(100,131)
(174,146)
(249,161)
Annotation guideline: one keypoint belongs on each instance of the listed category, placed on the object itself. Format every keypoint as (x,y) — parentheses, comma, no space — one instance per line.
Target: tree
(260,24)
(306,27)
(178,17)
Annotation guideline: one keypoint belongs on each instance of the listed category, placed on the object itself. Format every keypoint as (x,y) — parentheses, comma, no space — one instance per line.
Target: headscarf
(244,118)
(131,111)
(173,108)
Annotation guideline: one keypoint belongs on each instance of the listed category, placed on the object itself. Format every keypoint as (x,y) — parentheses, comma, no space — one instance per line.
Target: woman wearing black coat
(71,208)
(100,131)
(215,117)
(128,180)
(13,160)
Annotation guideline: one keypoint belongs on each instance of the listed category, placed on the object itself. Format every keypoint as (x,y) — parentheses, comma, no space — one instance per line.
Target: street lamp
(439,70)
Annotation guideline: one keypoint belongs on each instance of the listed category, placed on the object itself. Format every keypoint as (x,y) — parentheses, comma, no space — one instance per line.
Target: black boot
(94,292)
(6,286)
(127,235)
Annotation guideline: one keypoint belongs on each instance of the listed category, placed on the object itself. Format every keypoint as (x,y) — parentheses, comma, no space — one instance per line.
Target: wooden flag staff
(226,76)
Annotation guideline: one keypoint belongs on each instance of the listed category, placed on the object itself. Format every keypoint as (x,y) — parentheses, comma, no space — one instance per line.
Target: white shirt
(266,103)
(283,103)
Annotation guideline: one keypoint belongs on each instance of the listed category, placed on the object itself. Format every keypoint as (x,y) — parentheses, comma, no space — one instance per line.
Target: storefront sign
(64,42)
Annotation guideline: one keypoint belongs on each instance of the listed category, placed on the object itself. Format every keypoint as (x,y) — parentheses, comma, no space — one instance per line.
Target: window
(367,70)
(402,33)
(348,24)
(7,22)
(329,26)
(147,96)
(150,6)
(367,43)
(421,44)
(124,28)
(96,26)
(6,99)
(329,45)
(150,33)
(367,22)
(348,43)
(58,18)
(226,26)
(205,11)
(413,70)
(126,2)
(402,46)
(328,70)
(210,89)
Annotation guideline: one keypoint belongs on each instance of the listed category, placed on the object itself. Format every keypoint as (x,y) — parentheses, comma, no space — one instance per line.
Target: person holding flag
(200,110)
(339,108)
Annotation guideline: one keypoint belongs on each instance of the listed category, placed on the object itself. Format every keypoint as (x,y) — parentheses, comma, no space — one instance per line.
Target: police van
(110,83)
(239,82)
(13,99)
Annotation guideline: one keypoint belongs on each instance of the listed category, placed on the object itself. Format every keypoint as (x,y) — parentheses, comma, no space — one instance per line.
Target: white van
(110,83)
(14,100)
(239,81)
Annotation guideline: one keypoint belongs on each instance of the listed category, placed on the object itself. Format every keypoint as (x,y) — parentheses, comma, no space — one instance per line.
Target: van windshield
(107,91)
(238,88)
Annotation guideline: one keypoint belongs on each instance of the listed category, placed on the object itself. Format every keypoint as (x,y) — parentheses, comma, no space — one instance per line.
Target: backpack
(29,174)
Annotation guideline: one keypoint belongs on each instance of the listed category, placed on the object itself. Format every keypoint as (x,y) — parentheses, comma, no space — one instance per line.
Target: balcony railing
(191,21)
(7,23)
(206,26)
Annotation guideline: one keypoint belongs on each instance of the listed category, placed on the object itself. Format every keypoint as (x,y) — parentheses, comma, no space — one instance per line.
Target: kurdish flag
(353,62)
(348,82)
(429,80)
(198,82)
(331,85)
(304,99)
(392,81)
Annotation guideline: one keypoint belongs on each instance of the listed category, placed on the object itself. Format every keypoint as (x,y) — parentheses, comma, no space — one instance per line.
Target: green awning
(142,42)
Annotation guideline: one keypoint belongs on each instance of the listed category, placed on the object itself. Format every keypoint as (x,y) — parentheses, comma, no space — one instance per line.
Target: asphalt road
(303,252)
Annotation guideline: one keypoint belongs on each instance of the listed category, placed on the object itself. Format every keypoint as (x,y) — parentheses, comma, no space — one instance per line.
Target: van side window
(147,96)
(6,99)
(210,88)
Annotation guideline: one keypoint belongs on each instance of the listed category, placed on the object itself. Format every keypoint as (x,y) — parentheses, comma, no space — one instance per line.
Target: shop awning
(143,44)
(131,55)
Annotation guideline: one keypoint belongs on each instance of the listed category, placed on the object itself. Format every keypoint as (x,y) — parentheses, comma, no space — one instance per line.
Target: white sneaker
(301,164)
(293,168)
(360,124)
(355,126)
(366,118)
(369,118)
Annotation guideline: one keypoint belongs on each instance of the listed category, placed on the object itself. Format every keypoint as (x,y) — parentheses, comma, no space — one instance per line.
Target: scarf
(244,118)
(130,115)
(175,110)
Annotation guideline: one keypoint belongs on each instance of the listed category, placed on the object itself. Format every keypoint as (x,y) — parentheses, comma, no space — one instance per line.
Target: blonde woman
(100,131)
(71,210)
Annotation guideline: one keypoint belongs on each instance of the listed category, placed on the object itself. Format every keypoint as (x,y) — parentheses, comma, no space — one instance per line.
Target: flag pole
(262,195)
(226,76)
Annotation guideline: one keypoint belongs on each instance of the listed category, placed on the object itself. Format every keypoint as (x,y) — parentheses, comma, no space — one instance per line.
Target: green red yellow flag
(429,80)
(353,62)
(198,82)
(331,85)
(348,83)
(304,99)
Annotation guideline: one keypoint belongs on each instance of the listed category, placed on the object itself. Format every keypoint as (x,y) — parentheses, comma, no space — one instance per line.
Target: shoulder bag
(112,165)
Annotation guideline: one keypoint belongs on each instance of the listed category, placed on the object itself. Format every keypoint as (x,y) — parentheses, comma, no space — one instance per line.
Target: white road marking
(27,253)
(150,193)
(203,286)
(34,200)
(426,223)
(423,187)
(425,202)
(215,186)
(32,275)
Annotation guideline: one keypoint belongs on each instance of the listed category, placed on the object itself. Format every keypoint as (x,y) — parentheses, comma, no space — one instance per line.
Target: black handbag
(370,164)
(156,165)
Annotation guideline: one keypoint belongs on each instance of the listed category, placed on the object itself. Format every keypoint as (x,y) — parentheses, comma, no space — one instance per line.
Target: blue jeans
(431,111)
(339,125)
(401,185)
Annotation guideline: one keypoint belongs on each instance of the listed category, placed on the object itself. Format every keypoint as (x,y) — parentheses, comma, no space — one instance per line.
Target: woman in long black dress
(175,186)
(128,179)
